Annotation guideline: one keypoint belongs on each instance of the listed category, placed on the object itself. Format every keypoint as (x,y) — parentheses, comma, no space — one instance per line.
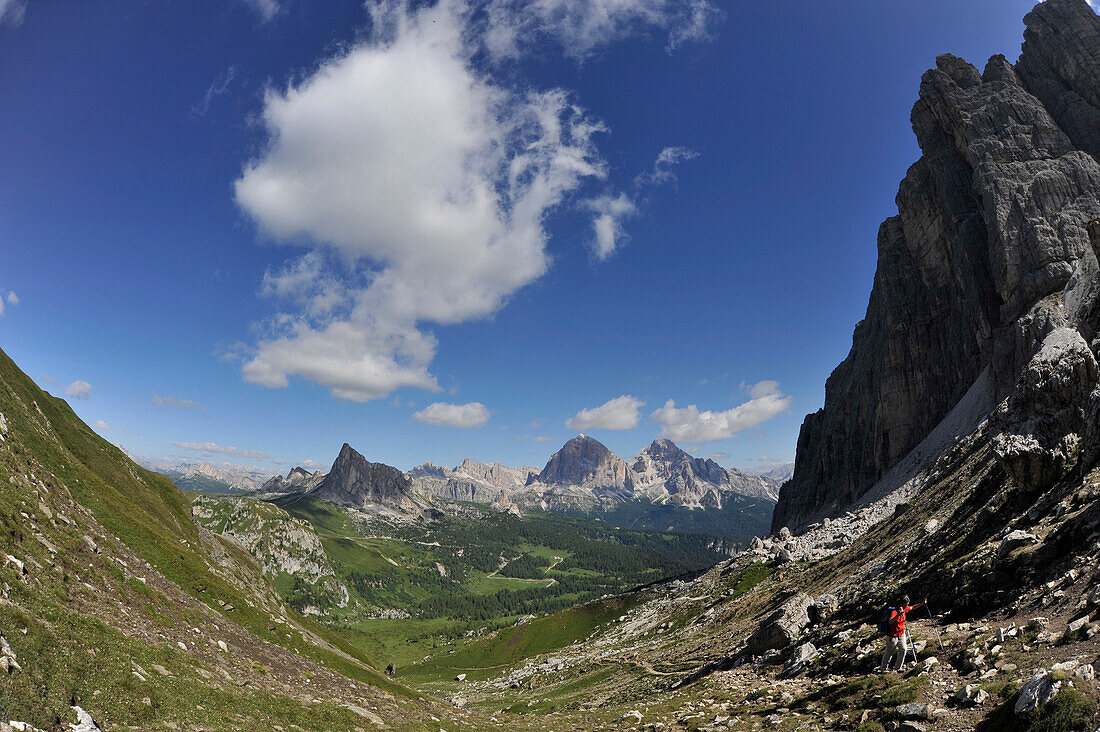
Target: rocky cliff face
(585,462)
(663,473)
(356,482)
(988,255)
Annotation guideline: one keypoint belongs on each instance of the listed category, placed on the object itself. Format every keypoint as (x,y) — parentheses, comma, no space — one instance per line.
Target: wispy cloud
(689,424)
(101,425)
(174,402)
(663,171)
(11,298)
(12,11)
(582,28)
(217,88)
(620,413)
(465,416)
(79,389)
(267,9)
(211,448)
(610,211)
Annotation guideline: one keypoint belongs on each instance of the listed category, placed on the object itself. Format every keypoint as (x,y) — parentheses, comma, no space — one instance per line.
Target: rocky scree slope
(988,268)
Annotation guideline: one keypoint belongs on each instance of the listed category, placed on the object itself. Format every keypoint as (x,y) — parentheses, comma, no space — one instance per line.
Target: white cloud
(584,27)
(607,223)
(662,172)
(13,299)
(689,424)
(79,389)
(12,11)
(210,448)
(266,8)
(422,187)
(763,388)
(620,413)
(541,438)
(465,416)
(101,425)
(174,402)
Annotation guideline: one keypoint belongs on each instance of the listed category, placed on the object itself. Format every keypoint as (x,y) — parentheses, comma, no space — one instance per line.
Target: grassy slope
(50,616)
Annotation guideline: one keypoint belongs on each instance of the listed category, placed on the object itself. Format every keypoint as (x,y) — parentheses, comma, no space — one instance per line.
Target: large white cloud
(465,416)
(212,448)
(620,413)
(79,389)
(421,186)
(691,425)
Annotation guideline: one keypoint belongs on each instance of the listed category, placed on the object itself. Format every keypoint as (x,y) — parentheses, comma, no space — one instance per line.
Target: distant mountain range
(780,474)
(584,476)
(204,477)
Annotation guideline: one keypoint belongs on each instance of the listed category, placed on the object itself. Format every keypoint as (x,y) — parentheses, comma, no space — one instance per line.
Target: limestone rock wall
(989,254)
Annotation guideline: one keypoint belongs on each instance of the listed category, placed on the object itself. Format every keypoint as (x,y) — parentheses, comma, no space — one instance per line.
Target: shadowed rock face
(988,255)
(355,481)
(584,461)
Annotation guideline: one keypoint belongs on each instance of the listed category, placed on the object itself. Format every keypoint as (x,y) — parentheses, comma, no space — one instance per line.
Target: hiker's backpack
(884,621)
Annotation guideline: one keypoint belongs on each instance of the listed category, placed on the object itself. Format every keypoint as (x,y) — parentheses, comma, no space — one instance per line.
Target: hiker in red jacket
(897,641)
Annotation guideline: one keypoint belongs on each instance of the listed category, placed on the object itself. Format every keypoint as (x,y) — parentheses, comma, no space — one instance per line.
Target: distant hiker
(390,670)
(897,640)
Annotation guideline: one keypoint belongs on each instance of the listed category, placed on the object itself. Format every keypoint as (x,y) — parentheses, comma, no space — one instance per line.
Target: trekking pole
(935,627)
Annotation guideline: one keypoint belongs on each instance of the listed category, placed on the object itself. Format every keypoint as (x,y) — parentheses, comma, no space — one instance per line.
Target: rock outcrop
(356,482)
(280,543)
(988,256)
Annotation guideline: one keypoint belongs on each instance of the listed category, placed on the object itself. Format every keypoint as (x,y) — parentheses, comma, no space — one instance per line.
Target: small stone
(91,544)
(460,677)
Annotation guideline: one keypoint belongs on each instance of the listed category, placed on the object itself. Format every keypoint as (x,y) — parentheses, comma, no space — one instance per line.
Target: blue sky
(253,230)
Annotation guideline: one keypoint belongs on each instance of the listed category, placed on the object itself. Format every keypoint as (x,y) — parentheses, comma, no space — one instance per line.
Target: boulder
(797,660)
(915,711)
(1014,540)
(1037,691)
(782,627)
(84,722)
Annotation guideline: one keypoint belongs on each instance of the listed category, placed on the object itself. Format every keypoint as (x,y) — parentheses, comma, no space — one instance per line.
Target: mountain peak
(585,461)
(355,481)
